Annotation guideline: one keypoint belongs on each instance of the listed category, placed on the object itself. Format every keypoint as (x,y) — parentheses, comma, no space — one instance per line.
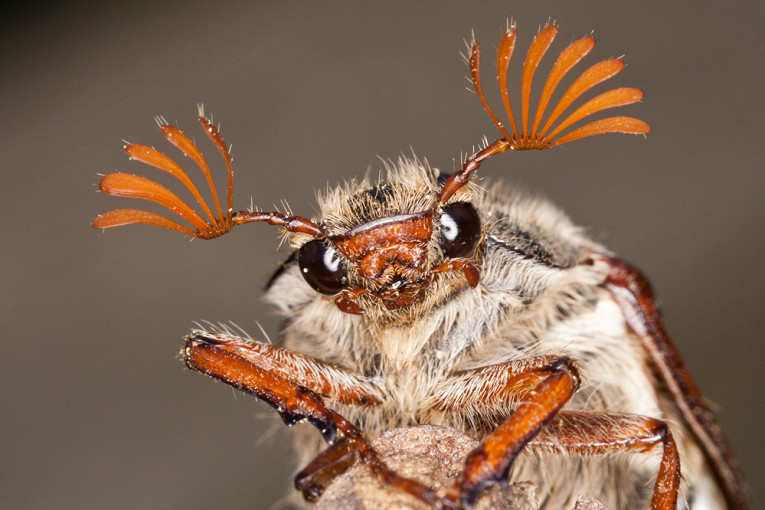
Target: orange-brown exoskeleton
(421,298)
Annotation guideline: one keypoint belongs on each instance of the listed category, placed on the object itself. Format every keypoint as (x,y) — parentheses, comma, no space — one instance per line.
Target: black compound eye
(460,229)
(322,267)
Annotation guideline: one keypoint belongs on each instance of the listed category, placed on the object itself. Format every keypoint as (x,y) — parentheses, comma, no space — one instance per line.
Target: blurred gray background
(97,409)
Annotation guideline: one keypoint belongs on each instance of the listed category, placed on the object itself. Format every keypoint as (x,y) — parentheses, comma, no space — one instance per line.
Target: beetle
(422,298)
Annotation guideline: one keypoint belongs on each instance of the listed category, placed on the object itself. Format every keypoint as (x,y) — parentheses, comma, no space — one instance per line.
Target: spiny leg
(632,292)
(545,383)
(232,361)
(591,433)
(313,480)
(537,422)
(323,378)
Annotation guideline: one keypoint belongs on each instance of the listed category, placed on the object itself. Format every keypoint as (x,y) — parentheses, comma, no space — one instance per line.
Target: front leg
(290,383)
(539,387)
(545,384)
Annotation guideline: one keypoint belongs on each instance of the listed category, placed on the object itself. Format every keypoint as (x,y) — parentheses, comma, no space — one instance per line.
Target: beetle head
(390,244)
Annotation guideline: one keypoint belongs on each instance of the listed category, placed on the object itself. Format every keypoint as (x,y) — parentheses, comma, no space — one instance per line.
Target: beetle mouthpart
(471,272)
(346,304)
(401,291)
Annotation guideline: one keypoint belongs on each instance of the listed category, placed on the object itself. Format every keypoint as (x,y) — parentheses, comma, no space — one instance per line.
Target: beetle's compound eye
(322,267)
(460,229)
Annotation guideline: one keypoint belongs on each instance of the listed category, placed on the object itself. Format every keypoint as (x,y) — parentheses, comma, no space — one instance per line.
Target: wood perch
(432,455)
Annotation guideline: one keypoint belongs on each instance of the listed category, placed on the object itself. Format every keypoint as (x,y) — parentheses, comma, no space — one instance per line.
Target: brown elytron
(392,264)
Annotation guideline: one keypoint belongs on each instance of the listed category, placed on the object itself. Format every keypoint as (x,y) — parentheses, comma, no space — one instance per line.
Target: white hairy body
(535,297)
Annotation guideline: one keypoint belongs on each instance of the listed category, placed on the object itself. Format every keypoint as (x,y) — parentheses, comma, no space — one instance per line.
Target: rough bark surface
(434,456)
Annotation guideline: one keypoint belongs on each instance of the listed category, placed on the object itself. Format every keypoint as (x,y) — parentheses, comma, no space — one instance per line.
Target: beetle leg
(335,460)
(323,378)
(289,382)
(494,386)
(553,381)
(332,462)
(632,292)
(602,433)
(538,423)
